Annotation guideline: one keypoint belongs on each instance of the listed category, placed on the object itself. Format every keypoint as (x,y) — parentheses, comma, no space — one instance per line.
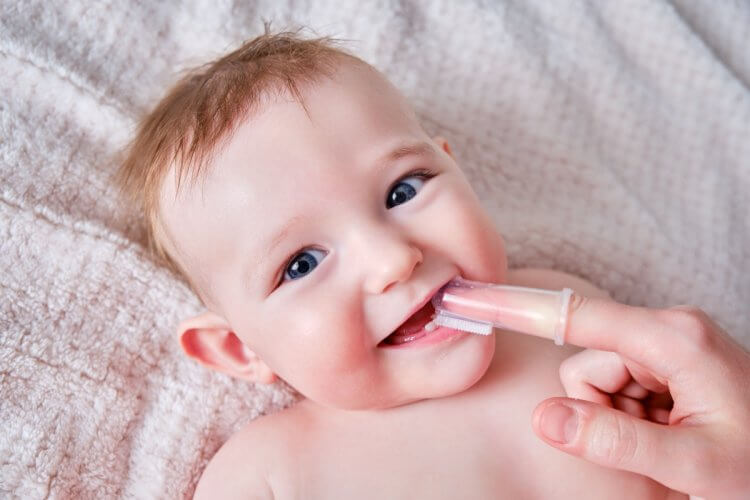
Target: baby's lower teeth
(430,326)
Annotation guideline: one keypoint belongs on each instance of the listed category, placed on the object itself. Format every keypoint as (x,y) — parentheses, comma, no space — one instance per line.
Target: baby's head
(294,188)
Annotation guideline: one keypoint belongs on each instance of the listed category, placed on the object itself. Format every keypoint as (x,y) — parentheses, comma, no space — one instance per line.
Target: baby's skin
(318,232)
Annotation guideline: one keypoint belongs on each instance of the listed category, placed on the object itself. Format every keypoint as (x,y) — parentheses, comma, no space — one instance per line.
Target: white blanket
(609,139)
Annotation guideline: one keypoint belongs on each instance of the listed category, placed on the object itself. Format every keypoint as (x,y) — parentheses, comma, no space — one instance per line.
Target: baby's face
(321,234)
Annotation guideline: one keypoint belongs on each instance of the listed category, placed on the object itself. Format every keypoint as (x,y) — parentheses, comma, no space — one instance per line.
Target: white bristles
(462,324)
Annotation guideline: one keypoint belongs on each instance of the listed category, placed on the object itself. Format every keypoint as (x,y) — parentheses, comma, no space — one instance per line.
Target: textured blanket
(609,139)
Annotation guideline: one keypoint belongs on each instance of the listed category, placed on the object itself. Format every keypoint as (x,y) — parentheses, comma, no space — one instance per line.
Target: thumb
(612,438)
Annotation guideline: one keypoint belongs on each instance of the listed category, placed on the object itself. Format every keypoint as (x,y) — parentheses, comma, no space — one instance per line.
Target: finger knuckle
(569,370)
(693,325)
(699,460)
(615,441)
(721,461)
(704,465)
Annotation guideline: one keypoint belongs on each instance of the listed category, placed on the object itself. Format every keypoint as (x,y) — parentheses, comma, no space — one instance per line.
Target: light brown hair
(199,113)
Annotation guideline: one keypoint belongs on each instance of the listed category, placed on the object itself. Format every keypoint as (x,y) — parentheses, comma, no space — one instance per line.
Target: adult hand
(638,360)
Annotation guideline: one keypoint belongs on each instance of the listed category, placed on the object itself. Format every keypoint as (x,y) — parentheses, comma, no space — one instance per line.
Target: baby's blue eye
(404,191)
(302,263)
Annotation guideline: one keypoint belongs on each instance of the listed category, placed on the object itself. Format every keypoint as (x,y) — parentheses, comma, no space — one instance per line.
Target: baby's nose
(390,259)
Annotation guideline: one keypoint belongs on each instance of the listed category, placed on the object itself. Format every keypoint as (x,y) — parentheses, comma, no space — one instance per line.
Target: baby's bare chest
(408,460)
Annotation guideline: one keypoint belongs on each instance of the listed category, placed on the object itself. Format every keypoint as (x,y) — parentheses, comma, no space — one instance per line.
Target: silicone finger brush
(477,307)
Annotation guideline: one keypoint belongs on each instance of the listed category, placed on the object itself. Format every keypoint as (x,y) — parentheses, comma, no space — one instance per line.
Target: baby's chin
(470,362)
(466,375)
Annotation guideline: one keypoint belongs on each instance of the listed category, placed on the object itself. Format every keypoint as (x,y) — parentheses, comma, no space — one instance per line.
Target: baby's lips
(527,310)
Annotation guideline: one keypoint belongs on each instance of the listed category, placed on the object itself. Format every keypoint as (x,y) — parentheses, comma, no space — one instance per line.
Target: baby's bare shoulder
(245,466)
(551,279)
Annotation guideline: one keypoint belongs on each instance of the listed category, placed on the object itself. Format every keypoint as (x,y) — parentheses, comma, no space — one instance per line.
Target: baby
(294,188)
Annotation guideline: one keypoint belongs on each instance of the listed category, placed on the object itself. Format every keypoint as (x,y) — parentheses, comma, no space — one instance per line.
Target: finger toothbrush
(477,307)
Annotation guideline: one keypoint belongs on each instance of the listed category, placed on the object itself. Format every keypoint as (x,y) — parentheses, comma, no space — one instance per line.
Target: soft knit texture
(607,139)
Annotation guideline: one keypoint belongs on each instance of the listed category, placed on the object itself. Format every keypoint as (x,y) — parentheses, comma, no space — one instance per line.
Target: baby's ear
(208,339)
(440,141)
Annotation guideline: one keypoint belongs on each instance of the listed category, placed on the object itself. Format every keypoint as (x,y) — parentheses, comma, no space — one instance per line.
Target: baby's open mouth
(411,329)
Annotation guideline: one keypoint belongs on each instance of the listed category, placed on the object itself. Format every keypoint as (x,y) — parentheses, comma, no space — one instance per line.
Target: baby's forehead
(355,103)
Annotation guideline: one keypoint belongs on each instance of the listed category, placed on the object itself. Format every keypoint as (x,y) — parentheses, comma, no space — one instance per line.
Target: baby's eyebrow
(267,250)
(415,149)
(281,234)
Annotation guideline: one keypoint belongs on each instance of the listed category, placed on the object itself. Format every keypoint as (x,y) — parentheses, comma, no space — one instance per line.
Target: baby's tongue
(417,321)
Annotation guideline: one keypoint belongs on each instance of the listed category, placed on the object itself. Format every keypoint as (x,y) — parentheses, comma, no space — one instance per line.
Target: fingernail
(559,423)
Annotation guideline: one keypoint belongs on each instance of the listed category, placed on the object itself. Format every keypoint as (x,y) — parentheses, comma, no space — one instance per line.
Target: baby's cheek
(491,250)
(475,242)
(329,366)
(328,342)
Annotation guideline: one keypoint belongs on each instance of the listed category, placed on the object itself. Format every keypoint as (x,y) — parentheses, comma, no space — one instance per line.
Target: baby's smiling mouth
(411,329)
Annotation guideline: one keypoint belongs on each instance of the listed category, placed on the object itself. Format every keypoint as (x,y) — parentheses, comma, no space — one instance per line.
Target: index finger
(638,333)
